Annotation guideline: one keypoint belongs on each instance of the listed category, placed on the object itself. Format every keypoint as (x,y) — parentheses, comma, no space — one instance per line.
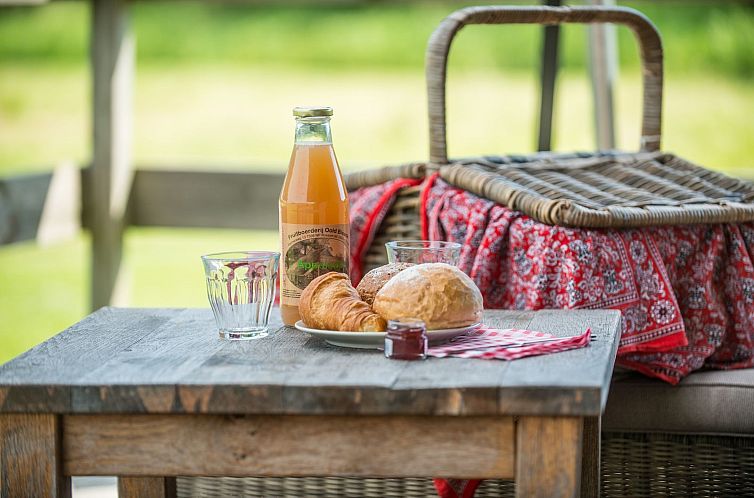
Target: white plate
(376,340)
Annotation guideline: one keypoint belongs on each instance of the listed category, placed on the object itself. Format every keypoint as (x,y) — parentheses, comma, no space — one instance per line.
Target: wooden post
(590,458)
(30,457)
(112,54)
(548,462)
(146,487)
(549,71)
(61,212)
(603,68)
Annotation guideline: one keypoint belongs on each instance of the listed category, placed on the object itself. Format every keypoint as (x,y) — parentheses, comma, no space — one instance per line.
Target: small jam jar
(406,339)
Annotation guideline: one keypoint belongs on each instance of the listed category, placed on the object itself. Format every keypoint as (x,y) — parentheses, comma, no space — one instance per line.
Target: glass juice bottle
(314,224)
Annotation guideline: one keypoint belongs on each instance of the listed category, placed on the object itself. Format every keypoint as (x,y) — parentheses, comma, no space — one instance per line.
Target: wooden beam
(45,207)
(24,3)
(205,199)
(30,463)
(112,54)
(288,445)
(14,3)
(603,68)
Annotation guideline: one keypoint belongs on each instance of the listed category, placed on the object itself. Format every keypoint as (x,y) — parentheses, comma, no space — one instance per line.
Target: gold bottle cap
(311,112)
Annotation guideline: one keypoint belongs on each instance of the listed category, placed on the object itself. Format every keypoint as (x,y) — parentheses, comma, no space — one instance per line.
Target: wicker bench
(694,439)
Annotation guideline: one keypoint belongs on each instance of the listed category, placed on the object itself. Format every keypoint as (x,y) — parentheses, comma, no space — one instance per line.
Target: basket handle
(439,46)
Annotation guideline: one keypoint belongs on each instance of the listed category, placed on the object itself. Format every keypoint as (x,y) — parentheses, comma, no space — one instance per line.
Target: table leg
(146,487)
(548,456)
(590,458)
(30,457)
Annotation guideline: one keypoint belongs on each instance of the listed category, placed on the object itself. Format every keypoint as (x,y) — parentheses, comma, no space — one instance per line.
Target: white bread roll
(441,295)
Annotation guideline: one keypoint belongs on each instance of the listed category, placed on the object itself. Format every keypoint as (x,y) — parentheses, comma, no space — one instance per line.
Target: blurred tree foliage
(699,37)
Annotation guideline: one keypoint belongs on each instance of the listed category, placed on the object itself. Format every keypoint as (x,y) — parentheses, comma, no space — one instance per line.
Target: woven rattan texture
(401,223)
(370,177)
(347,487)
(607,191)
(657,465)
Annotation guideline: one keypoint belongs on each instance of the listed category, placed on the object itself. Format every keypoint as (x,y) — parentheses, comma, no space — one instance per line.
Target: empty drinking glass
(241,290)
(423,251)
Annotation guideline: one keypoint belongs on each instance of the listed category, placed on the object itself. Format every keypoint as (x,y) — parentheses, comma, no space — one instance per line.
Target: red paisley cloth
(686,292)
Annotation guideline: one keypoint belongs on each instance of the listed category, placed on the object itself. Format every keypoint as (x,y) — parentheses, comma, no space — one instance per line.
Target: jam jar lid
(406,326)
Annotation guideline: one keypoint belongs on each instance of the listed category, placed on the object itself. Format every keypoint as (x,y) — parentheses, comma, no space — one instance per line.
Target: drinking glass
(241,290)
(423,251)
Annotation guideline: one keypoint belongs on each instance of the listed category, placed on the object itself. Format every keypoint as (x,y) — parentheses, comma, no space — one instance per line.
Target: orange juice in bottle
(314,224)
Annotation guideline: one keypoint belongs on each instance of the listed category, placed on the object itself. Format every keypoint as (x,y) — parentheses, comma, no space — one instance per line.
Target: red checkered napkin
(507,344)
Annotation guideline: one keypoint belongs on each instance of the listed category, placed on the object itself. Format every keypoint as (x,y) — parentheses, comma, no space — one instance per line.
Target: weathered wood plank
(288,445)
(308,377)
(30,463)
(166,353)
(171,361)
(40,380)
(163,357)
(205,199)
(548,458)
(112,55)
(146,487)
(287,373)
(293,373)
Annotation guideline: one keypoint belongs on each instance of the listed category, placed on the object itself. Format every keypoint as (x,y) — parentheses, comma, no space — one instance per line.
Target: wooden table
(154,392)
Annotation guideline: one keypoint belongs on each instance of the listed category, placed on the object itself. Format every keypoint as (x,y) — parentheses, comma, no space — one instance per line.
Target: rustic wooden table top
(120,360)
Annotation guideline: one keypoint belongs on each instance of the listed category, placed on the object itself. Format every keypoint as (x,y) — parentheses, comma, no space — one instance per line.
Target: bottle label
(308,252)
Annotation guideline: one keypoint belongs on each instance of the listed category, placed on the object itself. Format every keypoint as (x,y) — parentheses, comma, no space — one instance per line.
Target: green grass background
(699,36)
(216,82)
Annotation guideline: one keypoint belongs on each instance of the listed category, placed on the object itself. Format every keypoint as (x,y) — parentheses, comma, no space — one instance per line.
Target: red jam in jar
(406,339)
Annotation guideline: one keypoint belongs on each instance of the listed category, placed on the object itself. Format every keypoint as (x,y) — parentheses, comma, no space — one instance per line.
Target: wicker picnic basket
(602,189)
(605,189)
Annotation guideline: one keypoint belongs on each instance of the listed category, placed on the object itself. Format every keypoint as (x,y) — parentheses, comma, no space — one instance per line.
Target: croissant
(330,302)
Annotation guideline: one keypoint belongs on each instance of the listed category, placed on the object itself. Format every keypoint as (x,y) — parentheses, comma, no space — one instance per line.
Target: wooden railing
(110,194)
(48,207)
